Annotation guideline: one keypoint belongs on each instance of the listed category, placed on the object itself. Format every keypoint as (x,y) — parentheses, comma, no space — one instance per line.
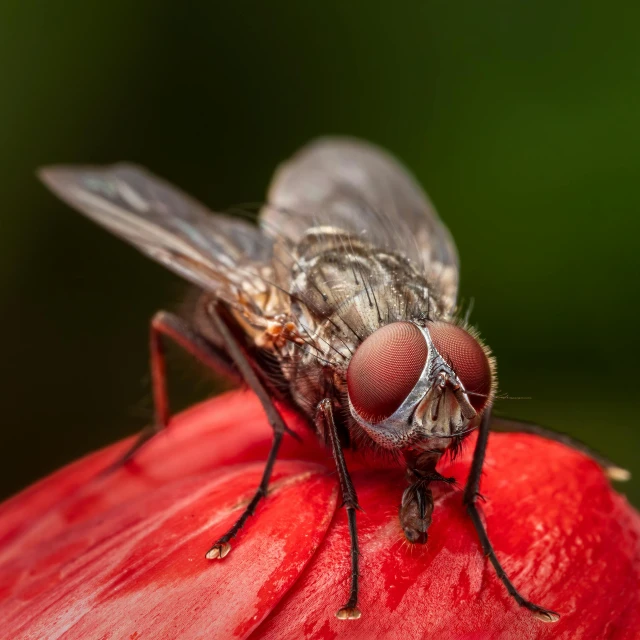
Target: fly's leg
(221,546)
(324,413)
(470,496)
(613,471)
(167,325)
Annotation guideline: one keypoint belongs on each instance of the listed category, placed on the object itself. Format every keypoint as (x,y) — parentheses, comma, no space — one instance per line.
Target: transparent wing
(357,187)
(218,253)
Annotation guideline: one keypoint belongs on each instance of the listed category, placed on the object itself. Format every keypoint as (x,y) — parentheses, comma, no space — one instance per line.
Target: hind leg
(165,326)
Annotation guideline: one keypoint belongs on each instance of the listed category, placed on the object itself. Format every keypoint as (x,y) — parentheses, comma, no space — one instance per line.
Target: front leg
(324,418)
(470,497)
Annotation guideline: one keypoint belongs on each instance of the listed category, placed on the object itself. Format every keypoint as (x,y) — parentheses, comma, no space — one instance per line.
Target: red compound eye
(466,357)
(384,369)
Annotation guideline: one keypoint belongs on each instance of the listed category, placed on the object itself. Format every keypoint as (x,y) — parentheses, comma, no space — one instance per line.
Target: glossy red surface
(87,556)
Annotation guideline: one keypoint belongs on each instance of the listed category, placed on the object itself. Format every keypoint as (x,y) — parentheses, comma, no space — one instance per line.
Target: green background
(521,119)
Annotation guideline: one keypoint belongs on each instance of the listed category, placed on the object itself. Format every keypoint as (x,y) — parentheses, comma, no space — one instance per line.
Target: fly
(341,301)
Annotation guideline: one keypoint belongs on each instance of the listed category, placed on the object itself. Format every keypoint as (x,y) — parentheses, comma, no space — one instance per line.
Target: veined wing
(226,256)
(357,187)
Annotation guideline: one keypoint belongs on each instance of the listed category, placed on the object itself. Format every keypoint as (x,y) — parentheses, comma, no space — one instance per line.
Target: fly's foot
(348,613)
(218,551)
(545,615)
(143,437)
(618,474)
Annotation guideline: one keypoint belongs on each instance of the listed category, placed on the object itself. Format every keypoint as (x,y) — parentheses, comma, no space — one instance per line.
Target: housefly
(341,301)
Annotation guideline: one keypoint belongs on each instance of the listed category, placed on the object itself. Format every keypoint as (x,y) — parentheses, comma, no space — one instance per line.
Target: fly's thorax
(347,289)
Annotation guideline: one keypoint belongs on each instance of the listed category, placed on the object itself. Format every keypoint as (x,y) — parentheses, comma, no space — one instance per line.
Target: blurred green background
(521,119)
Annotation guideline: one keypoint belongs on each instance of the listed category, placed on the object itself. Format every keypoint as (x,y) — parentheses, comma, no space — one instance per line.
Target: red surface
(122,557)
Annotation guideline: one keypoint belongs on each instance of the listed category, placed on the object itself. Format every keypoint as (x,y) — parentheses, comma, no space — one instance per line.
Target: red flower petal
(566,539)
(141,566)
(122,556)
(229,430)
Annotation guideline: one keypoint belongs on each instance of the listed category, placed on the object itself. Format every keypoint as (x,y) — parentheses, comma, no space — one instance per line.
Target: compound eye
(466,357)
(384,369)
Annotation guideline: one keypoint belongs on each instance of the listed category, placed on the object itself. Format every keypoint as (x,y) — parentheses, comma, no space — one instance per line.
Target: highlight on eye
(384,370)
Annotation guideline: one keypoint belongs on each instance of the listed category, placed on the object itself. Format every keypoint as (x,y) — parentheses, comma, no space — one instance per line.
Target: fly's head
(419,386)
